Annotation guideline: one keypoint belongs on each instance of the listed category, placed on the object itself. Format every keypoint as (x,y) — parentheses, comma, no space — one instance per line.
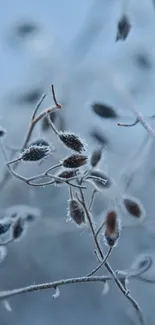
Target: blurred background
(72,44)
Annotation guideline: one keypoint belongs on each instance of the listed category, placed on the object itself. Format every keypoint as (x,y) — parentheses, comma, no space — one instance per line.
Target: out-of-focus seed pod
(133,207)
(72,141)
(76,211)
(112,228)
(123,28)
(96,157)
(75,161)
(18,228)
(104,111)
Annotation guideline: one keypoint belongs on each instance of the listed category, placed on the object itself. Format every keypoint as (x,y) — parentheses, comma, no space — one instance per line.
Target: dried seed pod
(100,182)
(96,157)
(5,225)
(75,161)
(72,141)
(133,207)
(18,228)
(99,137)
(66,174)
(104,111)
(112,228)
(35,153)
(123,28)
(76,211)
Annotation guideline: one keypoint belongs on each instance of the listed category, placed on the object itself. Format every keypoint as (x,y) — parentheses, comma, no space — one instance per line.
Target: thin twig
(129,125)
(92,199)
(100,228)
(101,264)
(58,105)
(50,285)
(37,106)
(108,267)
(34,121)
(52,125)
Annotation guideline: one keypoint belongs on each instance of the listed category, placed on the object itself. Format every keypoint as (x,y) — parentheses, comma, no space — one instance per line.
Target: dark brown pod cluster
(96,157)
(133,207)
(65,174)
(123,28)
(18,228)
(75,161)
(112,228)
(35,153)
(76,211)
(72,141)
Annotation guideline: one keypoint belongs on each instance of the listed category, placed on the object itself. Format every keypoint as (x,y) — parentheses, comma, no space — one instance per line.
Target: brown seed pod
(35,153)
(96,157)
(123,28)
(76,211)
(112,228)
(133,207)
(72,141)
(66,174)
(75,161)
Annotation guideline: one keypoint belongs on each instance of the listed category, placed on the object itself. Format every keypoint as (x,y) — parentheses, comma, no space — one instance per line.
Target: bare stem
(34,121)
(107,265)
(52,125)
(101,264)
(50,285)
(92,199)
